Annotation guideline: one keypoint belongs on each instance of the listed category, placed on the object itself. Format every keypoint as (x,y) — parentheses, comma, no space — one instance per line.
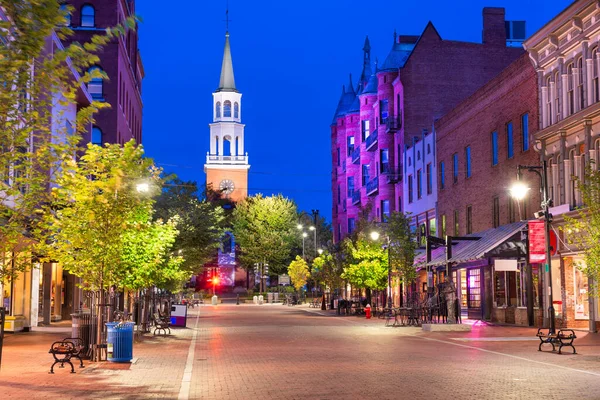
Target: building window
(419,184)
(218,109)
(384,161)
(442,175)
(570,89)
(432,227)
(339,194)
(429,179)
(580,84)
(399,204)
(339,232)
(455,168)
(96,136)
(494,148)
(365,174)
(236,110)
(385,210)
(510,141)
(525,131)
(383,111)
(418,156)
(351,225)
(511,210)
(410,189)
(338,156)
(468,161)
(350,186)
(350,143)
(227,109)
(428,149)
(96,84)
(365,129)
(409,162)
(595,74)
(443,227)
(469,219)
(496,212)
(456,225)
(66,13)
(88,16)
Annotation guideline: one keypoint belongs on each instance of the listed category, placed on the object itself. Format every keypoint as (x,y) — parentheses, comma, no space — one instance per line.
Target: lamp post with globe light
(518,191)
(375,237)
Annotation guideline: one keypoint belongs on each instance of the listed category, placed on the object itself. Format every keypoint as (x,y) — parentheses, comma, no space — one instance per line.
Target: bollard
(215,299)
(237,302)
(255,299)
(260,299)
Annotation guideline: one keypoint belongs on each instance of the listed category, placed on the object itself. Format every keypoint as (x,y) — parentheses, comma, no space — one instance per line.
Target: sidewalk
(156,371)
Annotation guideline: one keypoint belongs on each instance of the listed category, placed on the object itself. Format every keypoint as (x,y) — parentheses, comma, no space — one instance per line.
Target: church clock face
(226,186)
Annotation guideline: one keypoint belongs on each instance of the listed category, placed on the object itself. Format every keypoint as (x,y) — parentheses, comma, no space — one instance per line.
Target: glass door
(474,293)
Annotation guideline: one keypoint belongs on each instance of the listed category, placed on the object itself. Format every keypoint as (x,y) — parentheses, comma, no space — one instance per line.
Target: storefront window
(582,310)
(510,287)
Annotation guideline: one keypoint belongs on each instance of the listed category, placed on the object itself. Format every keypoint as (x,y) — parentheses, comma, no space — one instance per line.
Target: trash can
(81,324)
(269,297)
(119,341)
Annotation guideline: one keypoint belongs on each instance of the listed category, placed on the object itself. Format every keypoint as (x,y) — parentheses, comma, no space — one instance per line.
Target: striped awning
(465,251)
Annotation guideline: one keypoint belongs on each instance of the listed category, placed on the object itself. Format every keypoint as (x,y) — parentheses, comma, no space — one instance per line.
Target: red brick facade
(122,63)
(505,99)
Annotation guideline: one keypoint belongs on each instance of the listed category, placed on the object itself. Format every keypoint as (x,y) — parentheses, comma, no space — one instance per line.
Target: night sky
(290,61)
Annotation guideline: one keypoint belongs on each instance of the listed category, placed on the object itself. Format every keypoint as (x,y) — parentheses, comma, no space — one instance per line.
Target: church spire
(227,81)
(366,71)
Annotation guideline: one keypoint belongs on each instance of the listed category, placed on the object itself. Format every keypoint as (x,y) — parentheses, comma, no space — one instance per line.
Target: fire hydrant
(368,311)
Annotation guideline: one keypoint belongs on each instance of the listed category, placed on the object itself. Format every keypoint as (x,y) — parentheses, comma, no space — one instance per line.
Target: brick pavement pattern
(279,352)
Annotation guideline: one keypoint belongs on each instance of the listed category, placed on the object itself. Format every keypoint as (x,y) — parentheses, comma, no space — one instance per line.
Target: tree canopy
(265,229)
(298,272)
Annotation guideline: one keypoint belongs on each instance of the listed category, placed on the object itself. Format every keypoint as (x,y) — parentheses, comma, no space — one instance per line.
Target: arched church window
(227,109)
(236,110)
(218,109)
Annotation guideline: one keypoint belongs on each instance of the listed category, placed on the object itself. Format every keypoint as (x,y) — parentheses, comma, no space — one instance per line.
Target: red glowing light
(215,280)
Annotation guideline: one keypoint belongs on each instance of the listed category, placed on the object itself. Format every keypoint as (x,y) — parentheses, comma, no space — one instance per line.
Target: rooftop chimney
(494,29)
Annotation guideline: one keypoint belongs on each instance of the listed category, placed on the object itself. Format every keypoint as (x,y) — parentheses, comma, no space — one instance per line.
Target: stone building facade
(565,55)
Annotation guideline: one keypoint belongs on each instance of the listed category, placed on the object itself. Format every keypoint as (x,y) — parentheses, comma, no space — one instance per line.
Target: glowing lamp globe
(519,190)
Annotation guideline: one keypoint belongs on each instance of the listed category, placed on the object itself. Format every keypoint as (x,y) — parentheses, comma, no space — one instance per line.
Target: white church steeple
(227,133)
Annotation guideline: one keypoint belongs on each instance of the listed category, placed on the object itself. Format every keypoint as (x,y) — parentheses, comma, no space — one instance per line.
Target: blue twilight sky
(290,60)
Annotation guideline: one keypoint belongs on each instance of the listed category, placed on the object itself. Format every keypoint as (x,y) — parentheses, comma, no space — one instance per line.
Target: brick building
(122,63)
(565,54)
(420,80)
(479,145)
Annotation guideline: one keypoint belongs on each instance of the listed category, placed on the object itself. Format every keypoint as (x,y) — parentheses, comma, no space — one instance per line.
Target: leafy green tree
(367,267)
(100,225)
(95,208)
(583,230)
(265,229)
(148,256)
(402,247)
(298,272)
(327,271)
(201,223)
(38,86)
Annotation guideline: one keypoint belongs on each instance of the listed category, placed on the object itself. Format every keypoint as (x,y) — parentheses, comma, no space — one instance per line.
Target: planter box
(15,324)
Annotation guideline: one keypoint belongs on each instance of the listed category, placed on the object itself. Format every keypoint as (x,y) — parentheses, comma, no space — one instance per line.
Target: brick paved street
(246,352)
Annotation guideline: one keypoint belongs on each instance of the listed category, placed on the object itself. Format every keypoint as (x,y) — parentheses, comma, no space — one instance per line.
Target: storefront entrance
(474,293)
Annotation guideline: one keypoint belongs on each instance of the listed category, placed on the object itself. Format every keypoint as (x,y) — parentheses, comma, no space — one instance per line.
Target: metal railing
(393,175)
(371,141)
(393,124)
(356,155)
(356,197)
(213,159)
(373,186)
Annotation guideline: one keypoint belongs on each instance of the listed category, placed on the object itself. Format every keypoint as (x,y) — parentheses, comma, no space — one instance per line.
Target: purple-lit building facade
(421,79)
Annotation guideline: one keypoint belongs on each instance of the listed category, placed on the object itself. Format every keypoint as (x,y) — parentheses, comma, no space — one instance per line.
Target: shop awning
(504,241)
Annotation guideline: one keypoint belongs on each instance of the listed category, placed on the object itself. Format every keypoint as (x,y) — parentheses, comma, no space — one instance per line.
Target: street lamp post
(375,236)
(519,191)
(304,235)
(314,230)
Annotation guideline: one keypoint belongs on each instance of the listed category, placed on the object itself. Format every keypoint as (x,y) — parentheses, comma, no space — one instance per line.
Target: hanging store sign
(537,242)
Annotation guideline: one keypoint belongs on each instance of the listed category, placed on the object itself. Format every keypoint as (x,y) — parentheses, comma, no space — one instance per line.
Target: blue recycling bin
(119,341)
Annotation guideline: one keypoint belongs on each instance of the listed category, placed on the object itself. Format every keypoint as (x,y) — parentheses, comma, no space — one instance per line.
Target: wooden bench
(161,324)
(564,337)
